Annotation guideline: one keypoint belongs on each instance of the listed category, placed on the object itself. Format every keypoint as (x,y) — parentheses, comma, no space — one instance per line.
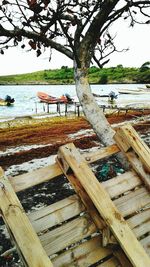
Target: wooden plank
(127,145)
(27,180)
(136,254)
(142,229)
(86,201)
(146,244)
(18,224)
(56,213)
(133,202)
(139,218)
(139,168)
(85,254)
(68,234)
(70,207)
(65,209)
(122,183)
(104,152)
(138,145)
(113,262)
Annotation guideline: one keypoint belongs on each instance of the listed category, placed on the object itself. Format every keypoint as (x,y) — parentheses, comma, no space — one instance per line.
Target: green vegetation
(64,75)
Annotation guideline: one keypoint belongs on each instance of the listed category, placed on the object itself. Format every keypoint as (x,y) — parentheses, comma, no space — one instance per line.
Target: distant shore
(65,75)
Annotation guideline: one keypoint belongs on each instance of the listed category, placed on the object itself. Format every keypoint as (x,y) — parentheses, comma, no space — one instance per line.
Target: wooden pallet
(104,224)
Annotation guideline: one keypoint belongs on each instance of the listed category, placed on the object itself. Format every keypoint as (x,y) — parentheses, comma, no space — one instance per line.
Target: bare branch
(72,27)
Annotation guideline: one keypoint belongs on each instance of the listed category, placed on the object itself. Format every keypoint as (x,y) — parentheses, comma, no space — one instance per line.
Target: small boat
(113,93)
(46,98)
(134,91)
(148,86)
(7,101)
(102,95)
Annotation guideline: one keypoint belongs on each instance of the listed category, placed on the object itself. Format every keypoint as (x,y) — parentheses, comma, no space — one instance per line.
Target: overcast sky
(137,39)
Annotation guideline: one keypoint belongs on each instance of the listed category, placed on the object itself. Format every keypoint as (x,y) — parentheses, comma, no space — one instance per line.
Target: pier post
(66,109)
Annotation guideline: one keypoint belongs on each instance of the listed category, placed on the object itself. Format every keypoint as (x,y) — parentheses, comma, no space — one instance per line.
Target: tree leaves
(38,52)
(34,6)
(32,44)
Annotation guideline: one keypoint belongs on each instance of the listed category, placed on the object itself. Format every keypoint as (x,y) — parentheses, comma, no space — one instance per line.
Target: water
(26,101)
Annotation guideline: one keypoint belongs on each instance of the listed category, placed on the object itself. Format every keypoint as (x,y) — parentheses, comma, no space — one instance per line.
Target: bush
(103,79)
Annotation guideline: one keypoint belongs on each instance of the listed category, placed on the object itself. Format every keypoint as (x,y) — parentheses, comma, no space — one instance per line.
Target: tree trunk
(92,112)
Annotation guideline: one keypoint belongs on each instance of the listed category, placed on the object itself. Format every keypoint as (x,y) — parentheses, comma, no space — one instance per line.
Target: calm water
(26,100)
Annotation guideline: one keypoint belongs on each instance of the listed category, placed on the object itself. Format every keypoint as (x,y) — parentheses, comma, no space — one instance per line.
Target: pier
(66,108)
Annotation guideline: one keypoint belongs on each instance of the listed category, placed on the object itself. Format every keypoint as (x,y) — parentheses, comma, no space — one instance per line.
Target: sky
(137,39)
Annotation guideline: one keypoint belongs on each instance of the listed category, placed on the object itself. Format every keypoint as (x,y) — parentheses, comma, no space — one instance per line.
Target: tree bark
(92,111)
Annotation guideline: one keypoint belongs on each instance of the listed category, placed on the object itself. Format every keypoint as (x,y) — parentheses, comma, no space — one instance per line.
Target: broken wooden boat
(104,224)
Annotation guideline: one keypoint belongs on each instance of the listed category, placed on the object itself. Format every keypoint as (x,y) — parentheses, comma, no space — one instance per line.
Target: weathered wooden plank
(52,241)
(146,244)
(72,205)
(69,154)
(133,202)
(113,262)
(122,183)
(20,227)
(85,254)
(68,208)
(127,142)
(69,233)
(101,153)
(139,218)
(27,180)
(142,229)
(138,145)
(86,201)
(139,168)
(56,213)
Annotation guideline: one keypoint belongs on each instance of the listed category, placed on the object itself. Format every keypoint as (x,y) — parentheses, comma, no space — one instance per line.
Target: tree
(145,66)
(76,28)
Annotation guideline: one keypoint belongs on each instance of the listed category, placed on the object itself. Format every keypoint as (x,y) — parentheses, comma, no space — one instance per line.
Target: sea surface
(27,102)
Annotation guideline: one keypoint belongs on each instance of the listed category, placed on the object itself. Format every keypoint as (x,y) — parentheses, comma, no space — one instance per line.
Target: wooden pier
(103,224)
(64,109)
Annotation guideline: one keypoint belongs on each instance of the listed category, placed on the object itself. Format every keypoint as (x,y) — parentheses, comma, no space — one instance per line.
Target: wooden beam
(88,205)
(138,145)
(85,254)
(104,205)
(27,180)
(137,152)
(101,153)
(18,224)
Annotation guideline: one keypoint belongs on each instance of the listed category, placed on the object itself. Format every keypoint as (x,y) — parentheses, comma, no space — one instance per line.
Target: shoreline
(31,139)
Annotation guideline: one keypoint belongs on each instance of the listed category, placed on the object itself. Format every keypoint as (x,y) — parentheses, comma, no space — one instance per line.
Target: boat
(101,95)
(7,101)
(46,98)
(148,86)
(134,91)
